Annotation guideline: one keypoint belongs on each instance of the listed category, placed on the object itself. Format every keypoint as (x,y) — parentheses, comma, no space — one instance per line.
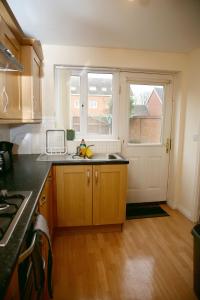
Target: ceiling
(162,25)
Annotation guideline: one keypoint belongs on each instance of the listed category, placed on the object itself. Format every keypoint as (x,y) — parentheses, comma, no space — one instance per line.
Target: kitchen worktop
(28,174)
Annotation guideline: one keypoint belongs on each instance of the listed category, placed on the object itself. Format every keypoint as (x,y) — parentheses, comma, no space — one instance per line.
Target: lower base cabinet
(109,194)
(74,195)
(90,194)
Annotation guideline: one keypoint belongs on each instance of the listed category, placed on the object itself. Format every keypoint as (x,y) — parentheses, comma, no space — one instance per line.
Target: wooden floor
(150,259)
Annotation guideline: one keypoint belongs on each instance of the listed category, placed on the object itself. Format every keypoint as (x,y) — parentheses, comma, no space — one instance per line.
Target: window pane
(145,113)
(100,103)
(75,102)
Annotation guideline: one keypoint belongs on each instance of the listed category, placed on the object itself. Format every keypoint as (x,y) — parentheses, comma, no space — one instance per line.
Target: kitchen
(163,63)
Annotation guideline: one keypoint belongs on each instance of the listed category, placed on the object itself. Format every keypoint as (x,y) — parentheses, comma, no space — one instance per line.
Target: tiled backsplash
(31,139)
(99,146)
(4,133)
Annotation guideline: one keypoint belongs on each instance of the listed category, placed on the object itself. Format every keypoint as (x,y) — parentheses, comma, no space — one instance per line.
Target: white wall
(4,133)
(189,181)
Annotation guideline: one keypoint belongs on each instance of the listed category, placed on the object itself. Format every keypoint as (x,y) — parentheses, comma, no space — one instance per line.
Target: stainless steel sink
(106,156)
(74,157)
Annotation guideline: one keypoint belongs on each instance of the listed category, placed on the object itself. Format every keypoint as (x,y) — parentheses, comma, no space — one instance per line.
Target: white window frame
(83,73)
(126,78)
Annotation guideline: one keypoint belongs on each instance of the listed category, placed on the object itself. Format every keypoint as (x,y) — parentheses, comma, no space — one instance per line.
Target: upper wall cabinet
(20,92)
(10,99)
(31,90)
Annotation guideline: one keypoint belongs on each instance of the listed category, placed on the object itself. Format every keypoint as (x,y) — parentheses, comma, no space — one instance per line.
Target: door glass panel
(75,102)
(100,102)
(145,113)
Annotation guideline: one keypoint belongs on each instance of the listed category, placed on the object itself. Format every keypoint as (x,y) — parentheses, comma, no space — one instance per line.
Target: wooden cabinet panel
(74,195)
(45,203)
(109,193)
(37,109)
(31,89)
(10,98)
(49,187)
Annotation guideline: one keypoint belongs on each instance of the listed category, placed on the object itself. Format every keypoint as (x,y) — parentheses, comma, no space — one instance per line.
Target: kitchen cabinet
(109,193)
(30,83)
(10,98)
(20,92)
(74,195)
(91,195)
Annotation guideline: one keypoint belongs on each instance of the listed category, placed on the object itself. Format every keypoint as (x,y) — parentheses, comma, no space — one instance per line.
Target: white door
(146,108)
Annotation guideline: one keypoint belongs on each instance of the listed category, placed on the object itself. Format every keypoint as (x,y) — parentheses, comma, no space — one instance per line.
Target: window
(92,88)
(73,88)
(92,104)
(145,113)
(77,103)
(75,83)
(91,101)
(99,117)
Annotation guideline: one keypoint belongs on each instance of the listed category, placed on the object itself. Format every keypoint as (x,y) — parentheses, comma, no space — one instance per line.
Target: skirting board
(185,212)
(171,204)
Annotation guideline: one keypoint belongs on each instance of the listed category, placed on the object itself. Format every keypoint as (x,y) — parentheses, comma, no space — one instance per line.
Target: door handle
(88,177)
(5,100)
(96,176)
(168,145)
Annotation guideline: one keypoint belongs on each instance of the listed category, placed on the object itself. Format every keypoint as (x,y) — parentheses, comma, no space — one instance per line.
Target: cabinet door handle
(88,177)
(4,100)
(96,176)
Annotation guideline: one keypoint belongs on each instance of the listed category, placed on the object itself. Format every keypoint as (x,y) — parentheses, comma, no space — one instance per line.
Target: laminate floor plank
(152,259)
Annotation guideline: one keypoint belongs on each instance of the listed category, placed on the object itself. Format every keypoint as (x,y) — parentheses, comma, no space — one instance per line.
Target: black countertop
(27,175)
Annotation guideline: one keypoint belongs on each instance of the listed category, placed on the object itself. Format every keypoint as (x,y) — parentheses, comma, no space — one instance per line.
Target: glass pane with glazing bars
(100,103)
(145,113)
(75,102)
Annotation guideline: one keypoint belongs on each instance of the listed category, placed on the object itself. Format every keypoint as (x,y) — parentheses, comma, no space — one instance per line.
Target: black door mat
(138,210)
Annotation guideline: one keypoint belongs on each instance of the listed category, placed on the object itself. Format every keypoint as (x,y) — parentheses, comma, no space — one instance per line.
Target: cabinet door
(74,195)
(109,194)
(45,203)
(37,108)
(49,187)
(31,89)
(10,107)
